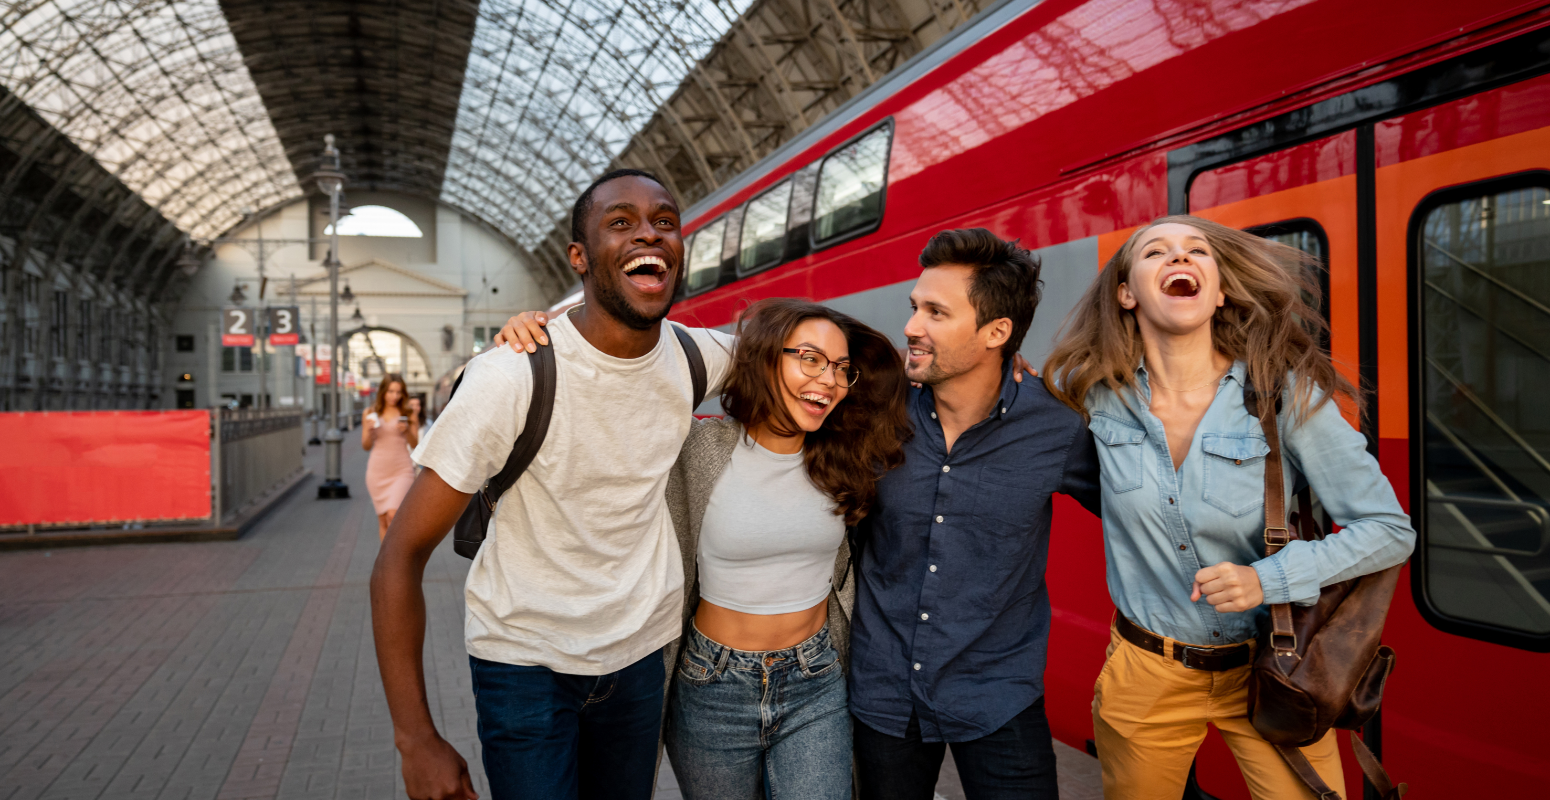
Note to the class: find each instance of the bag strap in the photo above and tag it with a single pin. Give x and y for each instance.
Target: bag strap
(539, 413)
(1371, 768)
(1283, 638)
(696, 364)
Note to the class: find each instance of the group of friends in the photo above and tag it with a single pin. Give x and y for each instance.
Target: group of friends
(817, 594)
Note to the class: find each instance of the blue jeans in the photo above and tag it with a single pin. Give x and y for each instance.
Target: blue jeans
(1015, 761)
(552, 736)
(748, 724)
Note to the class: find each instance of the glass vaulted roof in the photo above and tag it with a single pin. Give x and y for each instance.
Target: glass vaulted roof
(554, 90)
(160, 93)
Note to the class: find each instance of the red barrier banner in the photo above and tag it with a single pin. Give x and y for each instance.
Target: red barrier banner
(88, 467)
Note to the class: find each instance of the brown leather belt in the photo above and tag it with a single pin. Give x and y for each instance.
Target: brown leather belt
(1210, 659)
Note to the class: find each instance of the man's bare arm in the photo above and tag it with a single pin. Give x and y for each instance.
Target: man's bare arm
(433, 770)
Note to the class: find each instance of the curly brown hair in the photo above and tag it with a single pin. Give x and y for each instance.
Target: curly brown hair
(862, 438)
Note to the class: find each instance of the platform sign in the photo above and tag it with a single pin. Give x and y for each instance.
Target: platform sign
(284, 328)
(237, 327)
(324, 363)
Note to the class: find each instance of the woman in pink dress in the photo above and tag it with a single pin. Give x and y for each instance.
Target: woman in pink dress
(389, 433)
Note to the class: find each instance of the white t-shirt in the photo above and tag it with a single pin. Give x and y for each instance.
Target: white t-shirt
(580, 571)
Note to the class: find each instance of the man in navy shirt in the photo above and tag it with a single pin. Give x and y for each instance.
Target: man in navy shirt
(952, 614)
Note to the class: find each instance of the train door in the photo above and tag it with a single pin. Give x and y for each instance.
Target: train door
(1434, 224)
(1305, 196)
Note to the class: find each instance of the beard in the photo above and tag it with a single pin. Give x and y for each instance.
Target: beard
(609, 295)
(941, 368)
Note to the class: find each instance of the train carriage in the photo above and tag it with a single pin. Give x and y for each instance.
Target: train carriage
(1405, 144)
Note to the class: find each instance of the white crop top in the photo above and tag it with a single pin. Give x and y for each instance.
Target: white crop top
(769, 537)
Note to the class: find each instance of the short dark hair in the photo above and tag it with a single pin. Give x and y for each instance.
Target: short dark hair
(1005, 282)
(583, 207)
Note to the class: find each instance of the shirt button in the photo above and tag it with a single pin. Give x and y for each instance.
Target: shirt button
(1170, 501)
(1183, 547)
(946, 468)
(925, 616)
(1003, 411)
(1216, 633)
(933, 415)
(939, 518)
(917, 666)
(1237, 461)
(933, 568)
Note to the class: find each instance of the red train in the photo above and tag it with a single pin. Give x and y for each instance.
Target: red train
(1405, 143)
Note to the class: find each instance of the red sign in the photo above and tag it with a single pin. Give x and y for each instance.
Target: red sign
(104, 466)
(325, 370)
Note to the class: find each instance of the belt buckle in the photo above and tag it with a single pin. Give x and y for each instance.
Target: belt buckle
(1191, 650)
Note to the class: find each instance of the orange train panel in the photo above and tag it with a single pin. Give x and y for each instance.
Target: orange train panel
(61, 467)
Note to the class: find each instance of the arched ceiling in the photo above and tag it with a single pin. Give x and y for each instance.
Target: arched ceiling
(505, 109)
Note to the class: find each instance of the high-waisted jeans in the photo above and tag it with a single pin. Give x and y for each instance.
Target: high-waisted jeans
(776, 718)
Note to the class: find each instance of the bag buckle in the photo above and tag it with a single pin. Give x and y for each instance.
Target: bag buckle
(1277, 539)
(1285, 644)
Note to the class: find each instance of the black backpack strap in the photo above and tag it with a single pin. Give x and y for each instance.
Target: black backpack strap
(539, 412)
(696, 363)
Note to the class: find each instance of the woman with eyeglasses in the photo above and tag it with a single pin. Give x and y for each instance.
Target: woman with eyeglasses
(762, 501)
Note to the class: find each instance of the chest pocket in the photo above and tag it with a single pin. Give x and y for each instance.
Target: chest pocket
(1119, 453)
(1234, 471)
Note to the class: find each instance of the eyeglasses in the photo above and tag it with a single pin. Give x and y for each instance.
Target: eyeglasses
(813, 363)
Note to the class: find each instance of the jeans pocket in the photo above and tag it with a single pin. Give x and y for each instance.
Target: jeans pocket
(697, 668)
(826, 661)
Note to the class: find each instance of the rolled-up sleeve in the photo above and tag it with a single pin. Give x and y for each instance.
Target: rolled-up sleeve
(1375, 532)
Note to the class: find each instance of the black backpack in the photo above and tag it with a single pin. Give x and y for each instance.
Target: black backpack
(468, 533)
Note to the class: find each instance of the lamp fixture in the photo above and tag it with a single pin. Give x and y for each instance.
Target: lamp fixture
(347, 296)
(237, 295)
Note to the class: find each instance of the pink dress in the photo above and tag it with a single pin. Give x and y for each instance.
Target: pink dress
(389, 472)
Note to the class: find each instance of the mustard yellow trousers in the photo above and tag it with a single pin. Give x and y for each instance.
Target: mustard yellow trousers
(1150, 716)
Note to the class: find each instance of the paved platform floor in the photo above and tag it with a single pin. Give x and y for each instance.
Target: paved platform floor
(236, 670)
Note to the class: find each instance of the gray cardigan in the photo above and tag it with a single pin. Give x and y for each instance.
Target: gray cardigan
(705, 454)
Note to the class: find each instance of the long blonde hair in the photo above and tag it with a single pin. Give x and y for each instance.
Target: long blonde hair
(1265, 322)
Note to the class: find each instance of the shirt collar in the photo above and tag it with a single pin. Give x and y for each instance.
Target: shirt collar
(1009, 386)
(1238, 372)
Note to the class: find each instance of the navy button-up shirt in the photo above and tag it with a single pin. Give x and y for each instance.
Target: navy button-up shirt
(952, 614)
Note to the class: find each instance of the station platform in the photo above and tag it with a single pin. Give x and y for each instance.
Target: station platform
(238, 669)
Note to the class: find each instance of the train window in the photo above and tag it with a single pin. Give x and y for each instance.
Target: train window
(1308, 236)
(764, 228)
(1482, 256)
(705, 255)
(851, 186)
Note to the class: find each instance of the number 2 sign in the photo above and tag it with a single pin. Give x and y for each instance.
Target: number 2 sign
(237, 327)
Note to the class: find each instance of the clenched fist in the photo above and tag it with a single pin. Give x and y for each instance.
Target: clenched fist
(1228, 587)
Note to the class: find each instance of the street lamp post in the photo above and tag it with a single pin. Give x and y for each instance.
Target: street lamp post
(331, 182)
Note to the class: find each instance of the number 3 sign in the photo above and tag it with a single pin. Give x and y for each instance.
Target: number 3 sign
(283, 329)
(237, 327)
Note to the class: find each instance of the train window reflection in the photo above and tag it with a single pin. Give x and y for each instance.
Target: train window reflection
(764, 228)
(850, 187)
(705, 255)
(1484, 264)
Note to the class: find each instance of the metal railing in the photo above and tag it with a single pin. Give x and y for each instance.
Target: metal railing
(255, 452)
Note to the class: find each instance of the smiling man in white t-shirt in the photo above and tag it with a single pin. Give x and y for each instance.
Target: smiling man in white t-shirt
(579, 582)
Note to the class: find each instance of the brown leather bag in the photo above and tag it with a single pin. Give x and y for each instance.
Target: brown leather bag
(1321, 666)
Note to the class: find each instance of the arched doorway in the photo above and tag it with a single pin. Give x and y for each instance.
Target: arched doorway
(372, 351)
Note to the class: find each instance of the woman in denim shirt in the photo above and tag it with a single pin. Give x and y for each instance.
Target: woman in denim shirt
(1157, 355)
